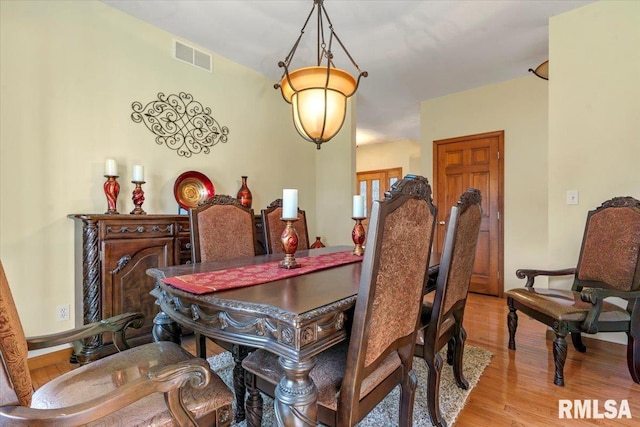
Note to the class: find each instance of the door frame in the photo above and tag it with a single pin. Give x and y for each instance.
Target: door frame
(500, 196)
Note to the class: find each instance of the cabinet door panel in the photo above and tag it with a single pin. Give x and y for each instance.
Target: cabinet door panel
(126, 283)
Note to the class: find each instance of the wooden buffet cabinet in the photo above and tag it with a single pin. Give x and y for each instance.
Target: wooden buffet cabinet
(113, 253)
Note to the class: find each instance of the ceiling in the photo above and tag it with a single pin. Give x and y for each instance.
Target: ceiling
(413, 50)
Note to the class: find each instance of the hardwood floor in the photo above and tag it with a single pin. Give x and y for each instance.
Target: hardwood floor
(516, 389)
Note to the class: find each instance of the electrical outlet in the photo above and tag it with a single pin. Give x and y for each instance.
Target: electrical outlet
(63, 312)
(572, 197)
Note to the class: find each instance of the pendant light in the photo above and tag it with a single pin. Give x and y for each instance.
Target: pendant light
(318, 94)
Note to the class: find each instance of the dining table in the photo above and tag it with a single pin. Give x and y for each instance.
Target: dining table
(254, 303)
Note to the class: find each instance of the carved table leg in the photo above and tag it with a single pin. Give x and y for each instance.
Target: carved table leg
(165, 329)
(296, 403)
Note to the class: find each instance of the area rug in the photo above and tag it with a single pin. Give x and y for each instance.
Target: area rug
(452, 399)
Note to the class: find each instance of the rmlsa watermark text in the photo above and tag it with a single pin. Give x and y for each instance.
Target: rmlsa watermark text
(593, 409)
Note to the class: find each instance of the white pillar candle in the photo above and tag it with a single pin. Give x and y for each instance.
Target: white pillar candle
(138, 173)
(358, 206)
(289, 203)
(110, 167)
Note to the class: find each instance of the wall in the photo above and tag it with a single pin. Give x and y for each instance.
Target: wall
(519, 107)
(594, 106)
(69, 74)
(404, 154)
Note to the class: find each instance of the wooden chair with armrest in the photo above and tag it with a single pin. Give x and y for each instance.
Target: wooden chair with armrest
(353, 377)
(222, 228)
(141, 386)
(608, 266)
(273, 227)
(441, 322)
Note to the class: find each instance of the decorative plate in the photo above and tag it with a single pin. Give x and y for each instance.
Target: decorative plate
(192, 188)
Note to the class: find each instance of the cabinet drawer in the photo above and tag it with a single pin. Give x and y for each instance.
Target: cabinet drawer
(136, 230)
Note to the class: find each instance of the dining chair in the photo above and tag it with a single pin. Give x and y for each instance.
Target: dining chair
(273, 227)
(222, 228)
(441, 321)
(608, 266)
(157, 384)
(353, 377)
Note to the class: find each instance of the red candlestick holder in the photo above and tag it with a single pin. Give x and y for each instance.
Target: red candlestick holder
(357, 235)
(111, 190)
(289, 239)
(138, 198)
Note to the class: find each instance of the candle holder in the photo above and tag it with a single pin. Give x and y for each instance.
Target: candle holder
(138, 198)
(357, 235)
(289, 239)
(111, 190)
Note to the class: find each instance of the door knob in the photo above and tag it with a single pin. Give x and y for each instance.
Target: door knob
(441, 222)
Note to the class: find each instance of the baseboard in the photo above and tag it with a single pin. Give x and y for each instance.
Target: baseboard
(55, 357)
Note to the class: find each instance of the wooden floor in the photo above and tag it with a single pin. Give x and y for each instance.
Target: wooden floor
(517, 388)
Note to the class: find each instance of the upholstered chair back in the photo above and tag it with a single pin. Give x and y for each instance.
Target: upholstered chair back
(458, 255)
(393, 274)
(222, 228)
(610, 255)
(15, 379)
(273, 227)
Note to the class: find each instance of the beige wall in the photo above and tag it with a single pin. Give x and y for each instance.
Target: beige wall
(519, 107)
(404, 154)
(594, 116)
(594, 126)
(69, 74)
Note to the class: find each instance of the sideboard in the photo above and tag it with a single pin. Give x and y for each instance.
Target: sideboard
(113, 253)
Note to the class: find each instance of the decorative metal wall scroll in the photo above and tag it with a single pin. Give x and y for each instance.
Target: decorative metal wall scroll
(181, 123)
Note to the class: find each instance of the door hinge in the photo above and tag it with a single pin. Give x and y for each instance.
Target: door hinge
(498, 155)
(498, 215)
(498, 275)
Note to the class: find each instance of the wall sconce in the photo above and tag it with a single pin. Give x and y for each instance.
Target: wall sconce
(542, 70)
(318, 94)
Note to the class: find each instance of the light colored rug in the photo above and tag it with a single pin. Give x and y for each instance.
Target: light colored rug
(452, 399)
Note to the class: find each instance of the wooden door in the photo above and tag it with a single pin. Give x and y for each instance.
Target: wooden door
(126, 283)
(373, 185)
(474, 161)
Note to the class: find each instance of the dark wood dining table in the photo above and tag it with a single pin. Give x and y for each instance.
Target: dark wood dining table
(295, 318)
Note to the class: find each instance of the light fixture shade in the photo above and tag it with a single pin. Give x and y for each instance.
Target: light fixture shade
(542, 70)
(319, 104)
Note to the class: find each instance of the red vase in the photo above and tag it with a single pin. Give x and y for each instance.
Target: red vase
(317, 244)
(244, 194)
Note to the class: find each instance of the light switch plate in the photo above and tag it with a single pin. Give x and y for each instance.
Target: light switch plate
(572, 197)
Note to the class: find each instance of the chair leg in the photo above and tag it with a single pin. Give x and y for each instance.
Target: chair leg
(457, 359)
(254, 401)
(434, 365)
(451, 345)
(407, 398)
(239, 352)
(559, 357)
(576, 338)
(512, 323)
(633, 355)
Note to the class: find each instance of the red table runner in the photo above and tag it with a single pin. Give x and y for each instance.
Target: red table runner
(202, 283)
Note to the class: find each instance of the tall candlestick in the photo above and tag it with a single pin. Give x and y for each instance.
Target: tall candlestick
(289, 203)
(138, 173)
(110, 168)
(358, 206)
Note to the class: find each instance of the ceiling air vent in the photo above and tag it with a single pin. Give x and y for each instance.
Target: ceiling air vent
(189, 54)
